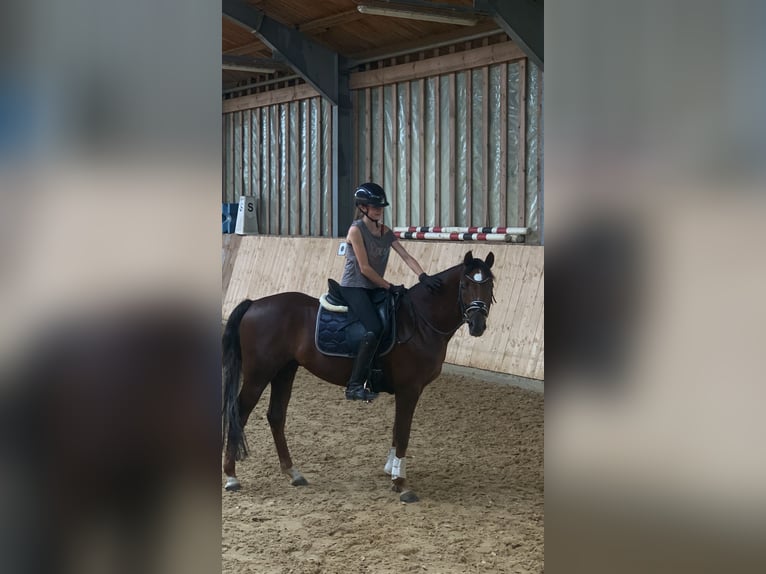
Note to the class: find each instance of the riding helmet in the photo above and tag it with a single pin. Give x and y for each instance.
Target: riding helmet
(370, 194)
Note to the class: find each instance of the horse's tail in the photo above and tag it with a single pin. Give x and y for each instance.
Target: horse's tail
(232, 367)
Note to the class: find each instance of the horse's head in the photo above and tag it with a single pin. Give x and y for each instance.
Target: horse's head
(476, 283)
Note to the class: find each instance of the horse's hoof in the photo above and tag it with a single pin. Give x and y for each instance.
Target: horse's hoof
(408, 497)
(296, 478)
(232, 485)
(397, 484)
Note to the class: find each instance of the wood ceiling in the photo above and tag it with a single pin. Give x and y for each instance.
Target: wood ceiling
(339, 26)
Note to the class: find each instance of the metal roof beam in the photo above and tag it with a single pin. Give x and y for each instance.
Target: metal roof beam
(522, 20)
(318, 65)
(248, 63)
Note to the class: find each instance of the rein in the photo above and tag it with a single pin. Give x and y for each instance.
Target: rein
(431, 326)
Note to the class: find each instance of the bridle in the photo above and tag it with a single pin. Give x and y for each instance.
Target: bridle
(476, 305)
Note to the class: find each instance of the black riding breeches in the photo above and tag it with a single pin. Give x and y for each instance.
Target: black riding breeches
(359, 300)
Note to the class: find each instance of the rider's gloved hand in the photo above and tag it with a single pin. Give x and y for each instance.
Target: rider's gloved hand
(398, 290)
(432, 282)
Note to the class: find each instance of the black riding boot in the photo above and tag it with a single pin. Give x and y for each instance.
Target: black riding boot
(355, 390)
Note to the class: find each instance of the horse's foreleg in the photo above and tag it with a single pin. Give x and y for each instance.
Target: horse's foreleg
(251, 392)
(389, 467)
(281, 389)
(405, 408)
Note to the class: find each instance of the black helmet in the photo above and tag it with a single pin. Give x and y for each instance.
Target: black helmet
(370, 194)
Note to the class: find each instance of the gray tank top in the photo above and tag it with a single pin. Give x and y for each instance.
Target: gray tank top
(378, 249)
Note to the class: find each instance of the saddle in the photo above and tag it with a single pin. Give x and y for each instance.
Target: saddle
(339, 331)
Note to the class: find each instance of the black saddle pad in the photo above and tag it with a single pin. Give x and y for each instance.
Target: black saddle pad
(339, 334)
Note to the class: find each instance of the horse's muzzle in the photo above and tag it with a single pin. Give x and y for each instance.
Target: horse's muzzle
(476, 328)
(476, 317)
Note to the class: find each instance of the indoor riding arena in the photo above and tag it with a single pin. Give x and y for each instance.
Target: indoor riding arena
(441, 105)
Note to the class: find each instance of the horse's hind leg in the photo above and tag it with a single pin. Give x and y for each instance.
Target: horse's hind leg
(252, 389)
(281, 389)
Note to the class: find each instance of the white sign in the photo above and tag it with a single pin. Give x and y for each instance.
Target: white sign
(247, 216)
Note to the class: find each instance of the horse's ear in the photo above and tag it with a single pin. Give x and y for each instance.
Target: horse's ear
(468, 258)
(490, 260)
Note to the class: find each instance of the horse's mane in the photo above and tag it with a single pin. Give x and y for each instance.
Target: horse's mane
(475, 264)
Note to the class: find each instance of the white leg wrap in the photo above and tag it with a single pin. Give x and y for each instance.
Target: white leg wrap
(399, 470)
(293, 473)
(390, 462)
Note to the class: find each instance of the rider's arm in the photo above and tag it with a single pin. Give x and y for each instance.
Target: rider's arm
(408, 259)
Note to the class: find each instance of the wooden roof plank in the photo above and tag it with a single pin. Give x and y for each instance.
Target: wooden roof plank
(486, 55)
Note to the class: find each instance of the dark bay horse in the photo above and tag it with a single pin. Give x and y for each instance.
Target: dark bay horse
(268, 339)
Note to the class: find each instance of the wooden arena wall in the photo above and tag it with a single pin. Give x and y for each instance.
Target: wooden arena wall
(257, 265)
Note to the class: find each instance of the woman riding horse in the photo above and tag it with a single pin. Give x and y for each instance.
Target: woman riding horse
(369, 244)
(266, 341)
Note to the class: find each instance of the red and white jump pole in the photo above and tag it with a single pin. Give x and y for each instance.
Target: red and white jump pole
(505, 230)
(507, 234)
